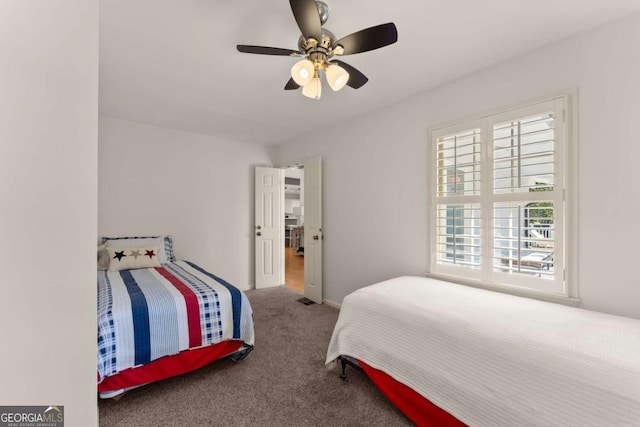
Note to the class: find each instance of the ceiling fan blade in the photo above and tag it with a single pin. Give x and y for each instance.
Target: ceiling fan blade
(369, 39)
(356, 78)
(264, 50)
(291, 85)
(307, 17)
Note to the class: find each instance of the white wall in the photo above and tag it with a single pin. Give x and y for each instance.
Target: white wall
(48, 205)
(197, 188)
(375, 170)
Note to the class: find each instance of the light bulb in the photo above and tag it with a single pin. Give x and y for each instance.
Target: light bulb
(337, 77)
(302, 72)
(313, 89)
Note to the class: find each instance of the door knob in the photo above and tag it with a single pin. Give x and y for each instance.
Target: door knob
(315, 237)
(258, 227)
(258, 234)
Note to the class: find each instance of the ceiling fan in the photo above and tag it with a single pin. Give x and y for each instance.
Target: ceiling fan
(318, 47)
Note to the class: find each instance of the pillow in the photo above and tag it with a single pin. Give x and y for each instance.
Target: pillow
(164, 243)
(139, 242)
(103, 257)
(168, 248)
(125, 258)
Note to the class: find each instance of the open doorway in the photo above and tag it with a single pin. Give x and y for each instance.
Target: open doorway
(294, 228)
(304, 234)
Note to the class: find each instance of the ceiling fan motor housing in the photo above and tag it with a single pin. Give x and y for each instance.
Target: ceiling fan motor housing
(326, 41)
(319, 51)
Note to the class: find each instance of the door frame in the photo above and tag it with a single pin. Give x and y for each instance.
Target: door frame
(288, 166)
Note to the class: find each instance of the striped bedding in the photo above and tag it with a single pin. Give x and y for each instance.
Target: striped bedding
(149, 313)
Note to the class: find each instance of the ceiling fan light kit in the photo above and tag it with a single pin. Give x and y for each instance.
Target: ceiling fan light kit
(337, 77)
(318, 46)
(313, 89)
(306, 73)
(302, 72)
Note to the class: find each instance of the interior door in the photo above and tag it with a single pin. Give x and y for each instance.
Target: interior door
(269, 227)
(313, 230)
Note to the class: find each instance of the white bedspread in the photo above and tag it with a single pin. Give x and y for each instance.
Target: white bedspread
(492, 359)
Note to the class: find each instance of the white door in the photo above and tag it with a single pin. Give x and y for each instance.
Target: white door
(313, 230)
(269, 227)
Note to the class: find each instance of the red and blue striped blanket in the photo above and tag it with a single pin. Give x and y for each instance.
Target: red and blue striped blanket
(149, 313)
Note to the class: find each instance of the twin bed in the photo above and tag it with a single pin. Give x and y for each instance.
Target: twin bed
(451, 355)
(445, 354)
(158, 317)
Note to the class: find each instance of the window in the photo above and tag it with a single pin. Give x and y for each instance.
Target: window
(498, 211)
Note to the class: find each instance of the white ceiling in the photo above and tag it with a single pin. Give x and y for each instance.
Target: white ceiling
(174, 63)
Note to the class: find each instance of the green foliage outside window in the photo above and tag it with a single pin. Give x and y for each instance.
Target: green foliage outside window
(541, 212)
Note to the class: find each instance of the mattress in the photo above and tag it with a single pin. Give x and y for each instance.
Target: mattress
(150, 313)
(491, 359)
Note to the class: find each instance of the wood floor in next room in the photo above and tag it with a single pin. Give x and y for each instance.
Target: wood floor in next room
(293, 270)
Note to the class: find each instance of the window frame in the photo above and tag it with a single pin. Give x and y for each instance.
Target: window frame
(564, 200)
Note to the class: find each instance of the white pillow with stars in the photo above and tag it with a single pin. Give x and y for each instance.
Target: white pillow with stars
(132, 258)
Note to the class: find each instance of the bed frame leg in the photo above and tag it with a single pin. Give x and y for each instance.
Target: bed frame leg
(343, 364)
(242, 353)
(118, 397)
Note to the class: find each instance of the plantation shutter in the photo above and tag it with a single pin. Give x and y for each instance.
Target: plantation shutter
(498, 198)
(458, 217)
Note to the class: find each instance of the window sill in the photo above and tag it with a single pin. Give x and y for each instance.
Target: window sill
(512, 290)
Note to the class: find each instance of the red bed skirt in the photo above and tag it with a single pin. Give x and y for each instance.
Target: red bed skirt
(416, 407)
(167, 367)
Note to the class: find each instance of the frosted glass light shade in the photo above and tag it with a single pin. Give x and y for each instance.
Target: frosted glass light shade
(337, 77)
(302, 72)
(313, 89)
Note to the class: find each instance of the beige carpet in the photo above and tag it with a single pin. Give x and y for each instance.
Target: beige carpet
(282, 383)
